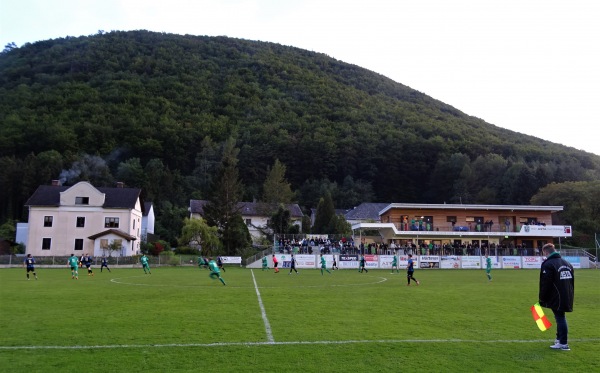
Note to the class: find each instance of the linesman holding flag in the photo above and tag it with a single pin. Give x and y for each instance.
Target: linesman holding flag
(557, 290)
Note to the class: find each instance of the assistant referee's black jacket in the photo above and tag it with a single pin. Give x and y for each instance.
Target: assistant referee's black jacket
(557, 284)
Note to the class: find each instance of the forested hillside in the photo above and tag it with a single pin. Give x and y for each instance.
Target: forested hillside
(153, 110)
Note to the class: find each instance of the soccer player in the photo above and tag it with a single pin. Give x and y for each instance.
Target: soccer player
(87, 261)
(334, 266)
(73, 262)
(145, 264)
(29, 262)
(488, 267)
(395, 264)
(293, 265)
(265, 264)
(362, 265)
(104, 264)
(275, 264)
(323, 265)
(410, 270)
(201, 262)
(220, 263)
(214, 271)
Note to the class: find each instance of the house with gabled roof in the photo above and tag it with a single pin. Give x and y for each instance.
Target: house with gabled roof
(256, 215)
(78, 219)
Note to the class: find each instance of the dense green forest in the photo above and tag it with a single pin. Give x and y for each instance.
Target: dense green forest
(154, 110)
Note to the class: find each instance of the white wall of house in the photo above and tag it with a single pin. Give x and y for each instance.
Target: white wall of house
(253, 221)
(128, 248)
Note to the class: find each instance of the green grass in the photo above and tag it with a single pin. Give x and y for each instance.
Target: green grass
(179, 320)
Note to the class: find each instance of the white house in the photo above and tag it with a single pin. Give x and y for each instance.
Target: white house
(80, 219)
(148, 220)
(255, 215)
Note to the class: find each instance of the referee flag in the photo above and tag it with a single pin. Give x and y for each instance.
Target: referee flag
(540, 319)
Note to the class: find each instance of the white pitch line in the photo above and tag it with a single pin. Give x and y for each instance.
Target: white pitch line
(270, 338)
(273, 343)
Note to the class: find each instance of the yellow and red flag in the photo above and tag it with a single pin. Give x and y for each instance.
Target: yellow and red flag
(540, 319)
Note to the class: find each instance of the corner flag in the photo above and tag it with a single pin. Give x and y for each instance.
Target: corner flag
(539, 317)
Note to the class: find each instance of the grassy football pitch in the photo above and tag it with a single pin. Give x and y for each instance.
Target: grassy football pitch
(178, 319)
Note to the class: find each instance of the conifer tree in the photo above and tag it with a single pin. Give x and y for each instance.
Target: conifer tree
(325, 211)
(276, 188)
(221, 210)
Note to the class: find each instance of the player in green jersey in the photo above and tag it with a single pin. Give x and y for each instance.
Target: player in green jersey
(488, 267)
(395, 264)
(323, 265)
(145, 264)
(265, 263)
(214, 271)
(73, 262)
(201, 262)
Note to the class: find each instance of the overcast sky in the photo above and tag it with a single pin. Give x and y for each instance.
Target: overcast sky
(531, 66)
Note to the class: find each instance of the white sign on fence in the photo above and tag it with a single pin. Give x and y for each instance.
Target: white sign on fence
(451, 261)
(511, 262)
(385, 261)
(231, 259)
(471, 262)
(532, 262)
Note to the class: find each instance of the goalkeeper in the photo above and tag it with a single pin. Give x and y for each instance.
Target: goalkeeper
(214, 271)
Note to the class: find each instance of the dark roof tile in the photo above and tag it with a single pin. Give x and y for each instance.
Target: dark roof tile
(49, 195)
(366, 210)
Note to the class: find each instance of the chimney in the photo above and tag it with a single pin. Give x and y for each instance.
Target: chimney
(55, 182)
(120, 184)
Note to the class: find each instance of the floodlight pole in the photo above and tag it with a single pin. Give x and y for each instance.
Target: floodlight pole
(559, 245)
(596, 242)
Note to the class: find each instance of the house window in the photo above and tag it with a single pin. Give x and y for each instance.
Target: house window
(78, 244)
(117, 243)
(82, 200)
(248, 221)
(133, 224)
(104, 244)
(48, 221)
(111, 222)
(451, 219)
(46, 243)
(80, 222)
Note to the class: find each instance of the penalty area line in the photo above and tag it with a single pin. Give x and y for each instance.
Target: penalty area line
(273, 343)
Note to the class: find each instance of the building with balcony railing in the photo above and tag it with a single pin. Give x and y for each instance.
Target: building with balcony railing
(458, 225)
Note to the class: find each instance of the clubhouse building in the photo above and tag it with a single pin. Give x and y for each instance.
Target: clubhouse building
(459, 225)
